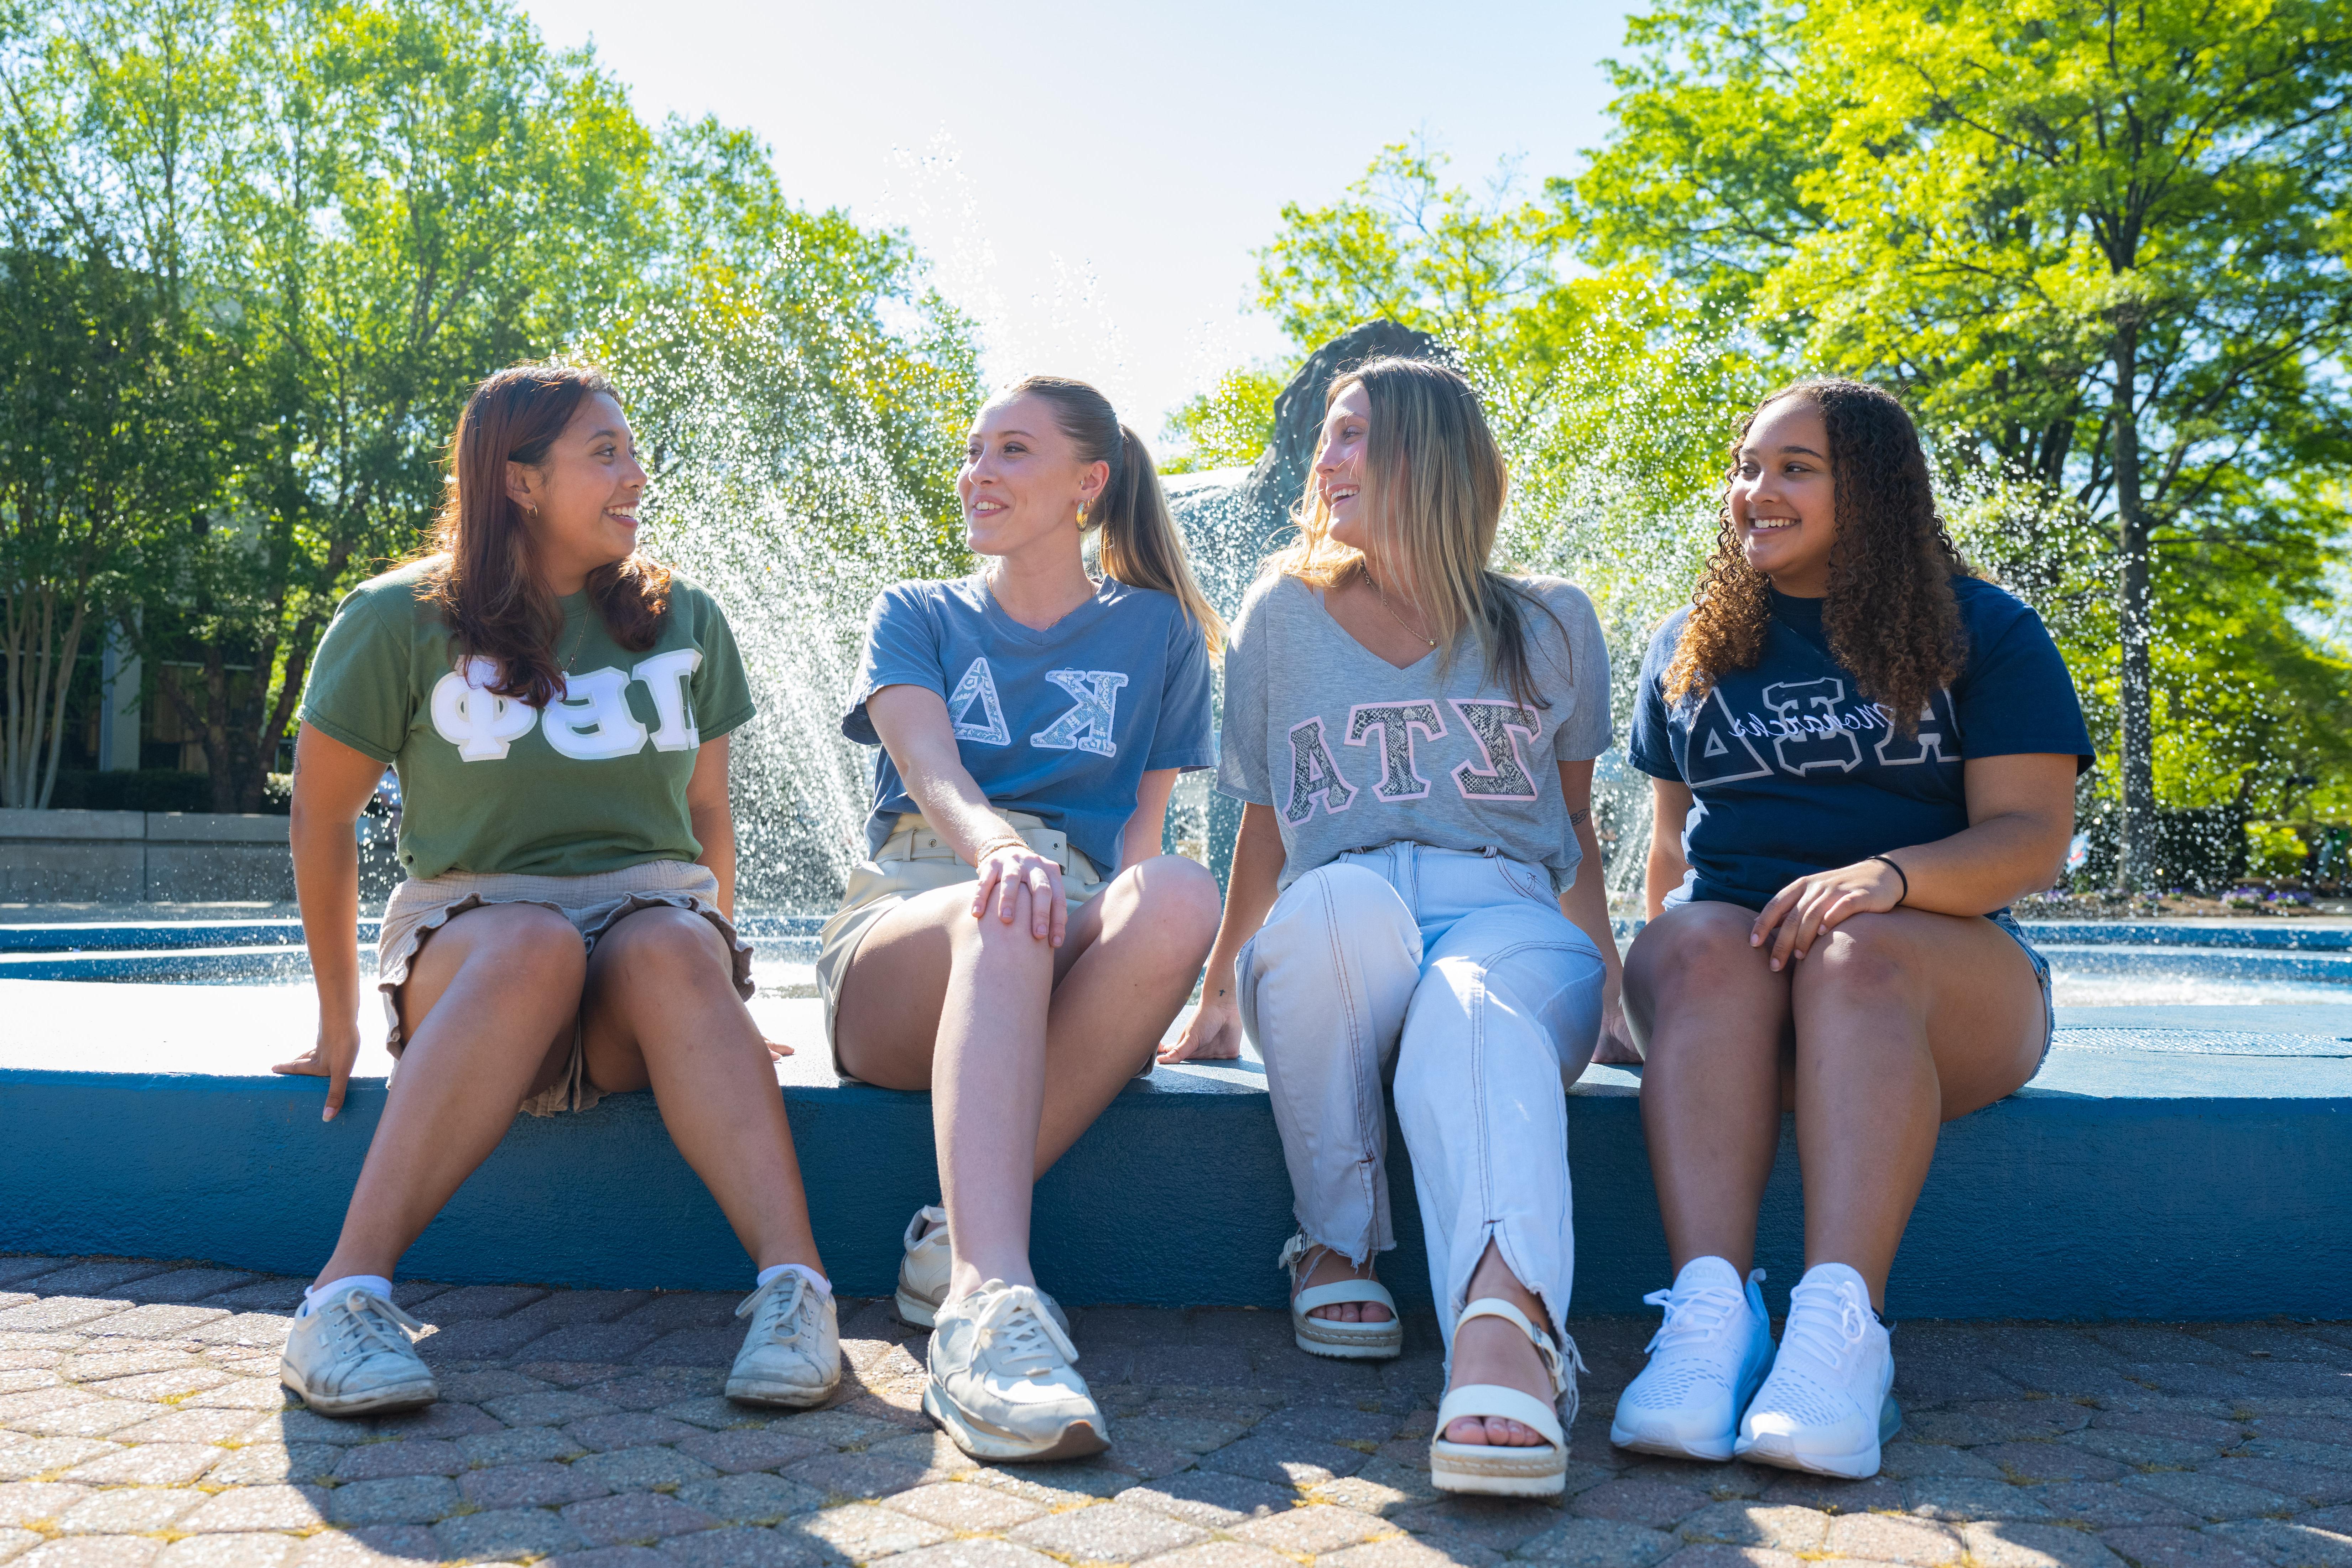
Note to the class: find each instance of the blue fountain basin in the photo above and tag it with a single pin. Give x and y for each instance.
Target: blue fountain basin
(2184, 1162)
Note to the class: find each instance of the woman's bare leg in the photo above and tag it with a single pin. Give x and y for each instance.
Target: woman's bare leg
(1904, 1021)
(1021, 1045)
(511, 975)
(1711, 1018)
(661, 1011)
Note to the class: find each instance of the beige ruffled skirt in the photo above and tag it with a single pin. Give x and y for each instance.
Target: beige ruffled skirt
(592, 904)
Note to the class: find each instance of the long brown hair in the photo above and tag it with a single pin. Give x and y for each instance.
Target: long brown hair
(1140, 546)
(484, 573)
(1436, 481)
(1891, 616)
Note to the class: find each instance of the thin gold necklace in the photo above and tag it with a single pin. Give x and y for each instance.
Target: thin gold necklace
(1400, 620)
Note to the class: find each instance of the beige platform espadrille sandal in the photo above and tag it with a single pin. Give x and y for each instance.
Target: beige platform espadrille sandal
(1496, 1471)
(1329, 1336)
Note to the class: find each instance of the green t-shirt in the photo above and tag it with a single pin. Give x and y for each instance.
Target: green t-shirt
(596, 783)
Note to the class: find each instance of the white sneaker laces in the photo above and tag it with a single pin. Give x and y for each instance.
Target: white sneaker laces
(1697, 1316)
(1016, 1326)
(1828, 1320)
(362, 1322)
(777, 1320)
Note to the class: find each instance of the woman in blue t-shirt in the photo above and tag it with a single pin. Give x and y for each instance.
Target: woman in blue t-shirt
(1032, 721)
(1860, 754)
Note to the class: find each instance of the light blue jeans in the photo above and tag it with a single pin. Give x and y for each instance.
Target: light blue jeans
(1458, 967)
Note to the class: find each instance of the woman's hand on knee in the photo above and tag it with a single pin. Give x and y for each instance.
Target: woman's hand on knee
(1213, 1033)
(338, 1048)
(1811, 907)
(1015, 875)
(1615, 1046)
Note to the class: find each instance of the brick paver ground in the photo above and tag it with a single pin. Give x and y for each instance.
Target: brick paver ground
(141, 1425)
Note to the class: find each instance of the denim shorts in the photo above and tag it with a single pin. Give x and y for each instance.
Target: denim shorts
(2008, 922)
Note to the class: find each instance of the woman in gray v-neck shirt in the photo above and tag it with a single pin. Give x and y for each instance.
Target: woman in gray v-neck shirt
(1416, 766)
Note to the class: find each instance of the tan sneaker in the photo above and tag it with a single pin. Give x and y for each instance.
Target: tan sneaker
(1002, 1384)
(923, 1273)
(352, 1356)
(791, 1354)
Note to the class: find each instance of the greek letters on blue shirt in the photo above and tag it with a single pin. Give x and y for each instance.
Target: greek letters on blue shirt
(1793, 770)
(1062, 723)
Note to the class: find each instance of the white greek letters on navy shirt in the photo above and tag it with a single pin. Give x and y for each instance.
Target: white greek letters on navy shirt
(1793, 770)
(1352, 752)
(589, 722)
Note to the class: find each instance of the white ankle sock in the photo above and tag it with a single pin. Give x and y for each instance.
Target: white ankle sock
(313, 1295)
(824, 1287)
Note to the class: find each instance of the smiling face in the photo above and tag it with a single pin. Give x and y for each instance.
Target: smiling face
(1783, 503)
(1339, 466)
(1022, 482)
(580, 503)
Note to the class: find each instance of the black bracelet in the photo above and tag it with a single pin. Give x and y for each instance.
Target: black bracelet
(1898, 871)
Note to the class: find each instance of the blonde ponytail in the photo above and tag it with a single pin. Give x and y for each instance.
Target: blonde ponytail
(1141, 545)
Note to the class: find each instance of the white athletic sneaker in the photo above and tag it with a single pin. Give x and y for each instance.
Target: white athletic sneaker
(1706, 1362)
(1002, 1384)
(923, 1273)
(791, 1354)
(352, 1356)
(1827, 1406)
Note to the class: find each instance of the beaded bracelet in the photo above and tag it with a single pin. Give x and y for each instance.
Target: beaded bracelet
(1898, 871)
(1009, 841)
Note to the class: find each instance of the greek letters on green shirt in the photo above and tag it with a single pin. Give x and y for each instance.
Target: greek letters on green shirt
(595, 782)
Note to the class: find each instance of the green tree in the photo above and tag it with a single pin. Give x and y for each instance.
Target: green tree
(1229, 425)
(2097, 246)
(1611, 390)
(102, 430)
(110, 421)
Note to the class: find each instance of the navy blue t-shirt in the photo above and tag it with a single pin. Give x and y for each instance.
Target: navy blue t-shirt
(1062, 723)
(1792, 772)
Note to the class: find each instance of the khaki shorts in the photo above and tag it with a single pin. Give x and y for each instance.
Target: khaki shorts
(419, 908)
(917, 861)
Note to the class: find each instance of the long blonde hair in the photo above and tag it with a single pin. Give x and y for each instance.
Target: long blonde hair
(1435, 480)
(1141, 545)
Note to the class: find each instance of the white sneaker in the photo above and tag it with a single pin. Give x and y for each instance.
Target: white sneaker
(791, 1354)
(1706, 1362)
(1827, 1406)
(352, 1356)
(1002, 1384)
(923, 1273)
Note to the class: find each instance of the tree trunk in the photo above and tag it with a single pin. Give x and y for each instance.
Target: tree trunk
(2137, 865)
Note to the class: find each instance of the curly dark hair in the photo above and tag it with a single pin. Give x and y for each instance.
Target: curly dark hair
(1891, 615)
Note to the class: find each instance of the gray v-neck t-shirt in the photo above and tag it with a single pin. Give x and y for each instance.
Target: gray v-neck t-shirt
(1353, 753)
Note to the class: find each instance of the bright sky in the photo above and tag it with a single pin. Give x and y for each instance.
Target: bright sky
(1090, 178)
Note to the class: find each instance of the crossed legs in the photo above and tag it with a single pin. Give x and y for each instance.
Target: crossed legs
(1503, 1013)
(1896, 1023)
(1021, 1045)
(487, 1012)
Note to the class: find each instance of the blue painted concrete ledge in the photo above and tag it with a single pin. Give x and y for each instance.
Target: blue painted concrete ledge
(2173, 1163)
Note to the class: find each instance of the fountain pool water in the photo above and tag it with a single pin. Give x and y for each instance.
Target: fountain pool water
(2246, 964)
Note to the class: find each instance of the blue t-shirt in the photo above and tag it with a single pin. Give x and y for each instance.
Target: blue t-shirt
(1791, 772)
(1062, 723)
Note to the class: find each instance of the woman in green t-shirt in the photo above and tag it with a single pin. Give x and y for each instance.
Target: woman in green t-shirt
(558, 707)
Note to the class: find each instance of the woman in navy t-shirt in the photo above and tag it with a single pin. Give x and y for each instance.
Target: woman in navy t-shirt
(1860, 754)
